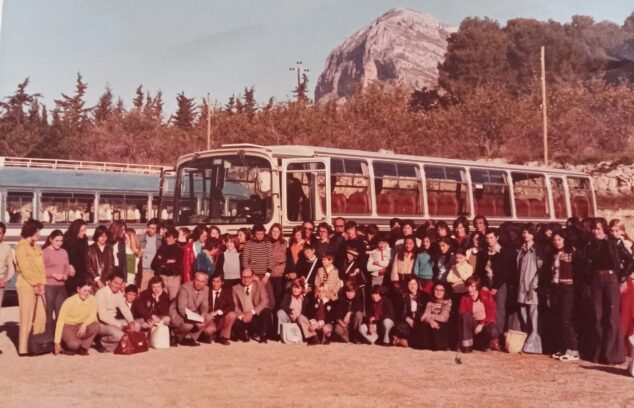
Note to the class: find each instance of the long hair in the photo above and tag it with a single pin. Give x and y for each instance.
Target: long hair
(114, 231)
(56, 233)
(401, 254)
(281, 239)
(71, 235)
(133, 240)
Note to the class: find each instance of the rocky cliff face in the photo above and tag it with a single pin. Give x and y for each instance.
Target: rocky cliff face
(402, 47)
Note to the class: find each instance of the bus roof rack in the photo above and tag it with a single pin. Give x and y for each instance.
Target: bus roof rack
(36, 163)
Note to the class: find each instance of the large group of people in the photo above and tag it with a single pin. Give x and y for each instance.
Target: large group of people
(430, 286)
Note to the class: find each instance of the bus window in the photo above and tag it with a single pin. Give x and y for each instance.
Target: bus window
(350, 185)
(128, 208)
(580, 197)
(559, 197)
(531, 195)
(490, 193)
(398, 189)
(66, 207)
(231, 189)
(446, 191)
(19, 207)
(306, 191)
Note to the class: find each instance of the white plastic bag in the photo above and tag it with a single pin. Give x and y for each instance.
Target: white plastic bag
(160, 336)
(291, 334)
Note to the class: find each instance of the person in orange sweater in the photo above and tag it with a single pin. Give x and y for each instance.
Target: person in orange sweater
(477, 324)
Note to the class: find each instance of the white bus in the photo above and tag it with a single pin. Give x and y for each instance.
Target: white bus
(239, 185)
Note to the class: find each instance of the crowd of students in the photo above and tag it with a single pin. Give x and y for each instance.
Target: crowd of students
(429, 286)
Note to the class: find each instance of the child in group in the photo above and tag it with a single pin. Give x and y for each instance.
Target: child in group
(328, 275)
(379, 259)
(229, 261)
(322, 315)
(380, 319)
(206, 259)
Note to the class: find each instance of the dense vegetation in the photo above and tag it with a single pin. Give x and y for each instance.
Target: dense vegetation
(488, 104)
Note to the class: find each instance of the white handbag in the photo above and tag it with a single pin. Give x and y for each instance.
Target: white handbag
(160, 336)
(291, 334)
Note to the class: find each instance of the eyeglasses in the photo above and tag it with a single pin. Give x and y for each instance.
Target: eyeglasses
(248, 277)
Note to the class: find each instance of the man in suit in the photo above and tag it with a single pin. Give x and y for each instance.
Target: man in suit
(192, 295)
(251, 307)
(222, 310)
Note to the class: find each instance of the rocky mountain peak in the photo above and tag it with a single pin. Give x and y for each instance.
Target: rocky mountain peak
(402, 47)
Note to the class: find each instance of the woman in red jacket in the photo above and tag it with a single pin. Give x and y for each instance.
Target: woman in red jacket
(477, 318)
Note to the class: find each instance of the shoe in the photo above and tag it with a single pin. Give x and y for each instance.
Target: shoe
(244, 338)
(68, 352)
(255, 337)
(82, 352)
(495, 345)
(557, 355)
(262, 340)
(467, 350)
(204, 339)
(223, 341)
(100, 348)
(173, 342)
(312, 341)
(569, 356)
(189, 342)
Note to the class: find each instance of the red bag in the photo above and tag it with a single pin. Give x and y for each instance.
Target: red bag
(132, 343)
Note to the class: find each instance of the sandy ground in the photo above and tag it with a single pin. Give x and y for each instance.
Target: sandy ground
(276, 375)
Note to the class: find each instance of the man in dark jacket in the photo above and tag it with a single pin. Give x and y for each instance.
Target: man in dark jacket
(153, 304)
(497, 272)
(221, 310)
(609, 267)
(168, 263)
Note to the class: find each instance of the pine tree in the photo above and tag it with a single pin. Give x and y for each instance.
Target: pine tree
(301, 91)
(104, 109)
(137, 102)
(119, 108)
(72, 110)
(230, 107)
(249, 105)
(157, 107)
(185, 115)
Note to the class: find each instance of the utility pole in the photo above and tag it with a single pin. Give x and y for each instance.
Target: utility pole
(208, 121)
(300, 70)
(544, 107)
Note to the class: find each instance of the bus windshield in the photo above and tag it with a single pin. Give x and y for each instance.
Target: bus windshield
(224, 189)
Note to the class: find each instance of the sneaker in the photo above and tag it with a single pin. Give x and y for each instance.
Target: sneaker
(557, 355)
(569, 356)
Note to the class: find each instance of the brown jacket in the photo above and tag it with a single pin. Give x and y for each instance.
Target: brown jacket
(259, 297)
(145, 306)
(99, 264)
(189, 298)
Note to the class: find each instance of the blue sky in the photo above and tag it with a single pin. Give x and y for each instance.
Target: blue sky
(201, 46)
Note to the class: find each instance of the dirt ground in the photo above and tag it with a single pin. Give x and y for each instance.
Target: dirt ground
(276, 375)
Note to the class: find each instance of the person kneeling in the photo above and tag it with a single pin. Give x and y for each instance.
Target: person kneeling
(252, 308)
(110, 303)
(477, 318)
(381, 318)
(222, 310)
(193, 296)
(321, 315)
(293, 307)
(349, 314)
(434, 331)
(77, 324)
(153, 305)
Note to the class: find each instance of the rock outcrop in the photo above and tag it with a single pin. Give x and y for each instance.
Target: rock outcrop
(402, 47)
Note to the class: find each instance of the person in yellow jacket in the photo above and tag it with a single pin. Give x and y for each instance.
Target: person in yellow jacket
(30, 283)
(77, 323)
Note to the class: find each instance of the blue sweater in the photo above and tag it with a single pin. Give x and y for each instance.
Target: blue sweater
(423, 267)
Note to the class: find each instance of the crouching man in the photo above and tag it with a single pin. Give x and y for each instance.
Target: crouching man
(192, 296)
(222, 310)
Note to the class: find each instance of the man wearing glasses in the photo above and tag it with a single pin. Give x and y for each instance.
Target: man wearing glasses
(252, 308)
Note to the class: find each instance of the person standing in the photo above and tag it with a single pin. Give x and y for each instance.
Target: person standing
(99, 259)
(30, 284)
(58, 271)
(168, 263)
(7, 268)
(610, 266)
(76, 245)
(116, 241)
(150, 243)
(278, 264)
(530, 260)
